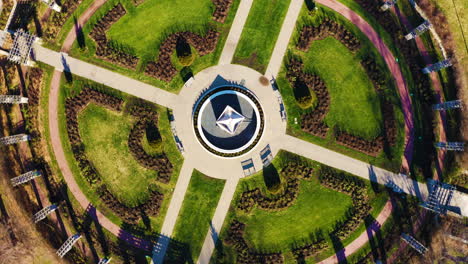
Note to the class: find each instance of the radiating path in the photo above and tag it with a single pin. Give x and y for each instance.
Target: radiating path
(235, 32)
(218, 219)
(277, 138)
(61, 62)
(174, 208)
(289, 25)
(365, 170)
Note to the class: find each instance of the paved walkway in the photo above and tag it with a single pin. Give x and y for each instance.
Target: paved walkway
(218, 219)
(62, 62)
(281, 46)
(275, 128)
(174, 209)
(235, 32)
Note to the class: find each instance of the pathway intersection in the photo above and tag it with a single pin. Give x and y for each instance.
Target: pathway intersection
(274, 136)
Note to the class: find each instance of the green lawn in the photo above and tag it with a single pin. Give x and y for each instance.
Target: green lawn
(144, 27)
(105, 135)
(260, 33)
(354, 104)
(316, 208)
(197, 211)
(168, 146)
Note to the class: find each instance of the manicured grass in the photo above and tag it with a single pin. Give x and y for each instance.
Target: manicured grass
(197, 211)
(146, 46)
(355, 105)
(105, 136)
(316, 208)
(144, 27)
(260, 33)
(169, 147)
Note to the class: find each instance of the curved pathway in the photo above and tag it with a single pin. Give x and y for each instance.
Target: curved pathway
(392, 66)
(59, 152)
(437, 86)
(229, 169)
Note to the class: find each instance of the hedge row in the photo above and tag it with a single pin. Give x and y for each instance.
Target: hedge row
(246, 255)
(311, 122)
(293, 172)
(161, 163)
(103, 49)
(163, 68)
(327, 28)
(358, 192)
(221, 10)
(131, 214)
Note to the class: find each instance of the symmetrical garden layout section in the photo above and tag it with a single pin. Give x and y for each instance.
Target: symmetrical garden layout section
(195, 133)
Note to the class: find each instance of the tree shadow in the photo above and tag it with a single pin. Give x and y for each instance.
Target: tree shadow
(178, 252)
(37, 24)
(310, 4)
(373, 179)
(339, 249)
(271, 178)
(80, 38)
(186, 73)
(66, 70)
(376, 240)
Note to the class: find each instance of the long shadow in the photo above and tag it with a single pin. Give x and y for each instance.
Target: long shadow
(82, 227)
(373, 179)
(310, 4)
(186, 73)
(86, 230)
(339, 249)
(178, 252)
(79, 34)
(66, 70)
(375, 239)
(91, 211)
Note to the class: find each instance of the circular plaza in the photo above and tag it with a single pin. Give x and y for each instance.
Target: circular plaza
(207, 132)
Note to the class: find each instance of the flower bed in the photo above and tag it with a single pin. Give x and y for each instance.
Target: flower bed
(294, 172)
(103, 49)
(328, 28)
(159, 163)
(163, 68)
(312, 122)
(73, 107)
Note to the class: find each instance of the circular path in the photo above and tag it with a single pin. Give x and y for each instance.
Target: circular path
(211, 164)
(206, 162)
